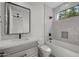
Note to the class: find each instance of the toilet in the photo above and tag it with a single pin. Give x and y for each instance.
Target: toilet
(44, 50)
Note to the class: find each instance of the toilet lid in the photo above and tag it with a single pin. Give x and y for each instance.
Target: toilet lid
(45, 48)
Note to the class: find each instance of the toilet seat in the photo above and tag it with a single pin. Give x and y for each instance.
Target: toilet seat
(45, 51)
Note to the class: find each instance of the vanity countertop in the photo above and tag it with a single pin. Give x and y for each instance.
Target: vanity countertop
(4, 44)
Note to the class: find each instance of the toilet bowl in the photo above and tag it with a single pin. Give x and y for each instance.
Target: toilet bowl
(44, 50)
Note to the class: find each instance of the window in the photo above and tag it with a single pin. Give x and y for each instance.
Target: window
(70, 12)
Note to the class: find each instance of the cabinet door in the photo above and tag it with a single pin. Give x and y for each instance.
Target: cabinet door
(32, 52)
(26, 53)
(22, 53)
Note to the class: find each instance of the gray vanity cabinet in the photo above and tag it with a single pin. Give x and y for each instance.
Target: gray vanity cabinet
(32, 52)
(23, 48)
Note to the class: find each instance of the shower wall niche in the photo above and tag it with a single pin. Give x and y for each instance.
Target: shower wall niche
(17, 19)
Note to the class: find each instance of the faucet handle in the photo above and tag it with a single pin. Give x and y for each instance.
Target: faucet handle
(50, 38)
(49, 34)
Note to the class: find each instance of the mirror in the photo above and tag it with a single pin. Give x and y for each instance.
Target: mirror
(17, 19)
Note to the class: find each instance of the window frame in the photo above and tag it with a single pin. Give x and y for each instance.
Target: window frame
(65, 12)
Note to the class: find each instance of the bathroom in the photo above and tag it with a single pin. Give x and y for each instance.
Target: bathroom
(36, 29)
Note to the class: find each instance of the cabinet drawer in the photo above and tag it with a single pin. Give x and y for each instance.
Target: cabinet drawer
(32, 51)
(25, 53)
(19, 48)
(17, 54)
(34, 55)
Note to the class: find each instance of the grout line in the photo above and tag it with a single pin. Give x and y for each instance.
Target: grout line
(44, 23)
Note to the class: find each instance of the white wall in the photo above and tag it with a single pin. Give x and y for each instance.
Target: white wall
(48, 22)
(0, 20)
(70, 46)
(69, 25)
(37, 22)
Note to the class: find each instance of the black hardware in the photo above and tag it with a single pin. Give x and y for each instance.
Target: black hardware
(19, 36)
(17, 14)
(50, 38)
(25, 54)
(49, 34)
(50, 17)
(1, 54)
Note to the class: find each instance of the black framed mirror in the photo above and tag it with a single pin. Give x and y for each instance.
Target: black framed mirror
(17, 19)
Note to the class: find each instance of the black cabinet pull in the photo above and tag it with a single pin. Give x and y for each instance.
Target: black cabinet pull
(1, 54)
(25, 54)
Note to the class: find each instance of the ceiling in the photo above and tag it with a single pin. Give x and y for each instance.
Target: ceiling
(49, 4)
(53, 4)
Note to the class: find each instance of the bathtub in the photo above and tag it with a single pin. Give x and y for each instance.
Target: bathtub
(62, 49)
